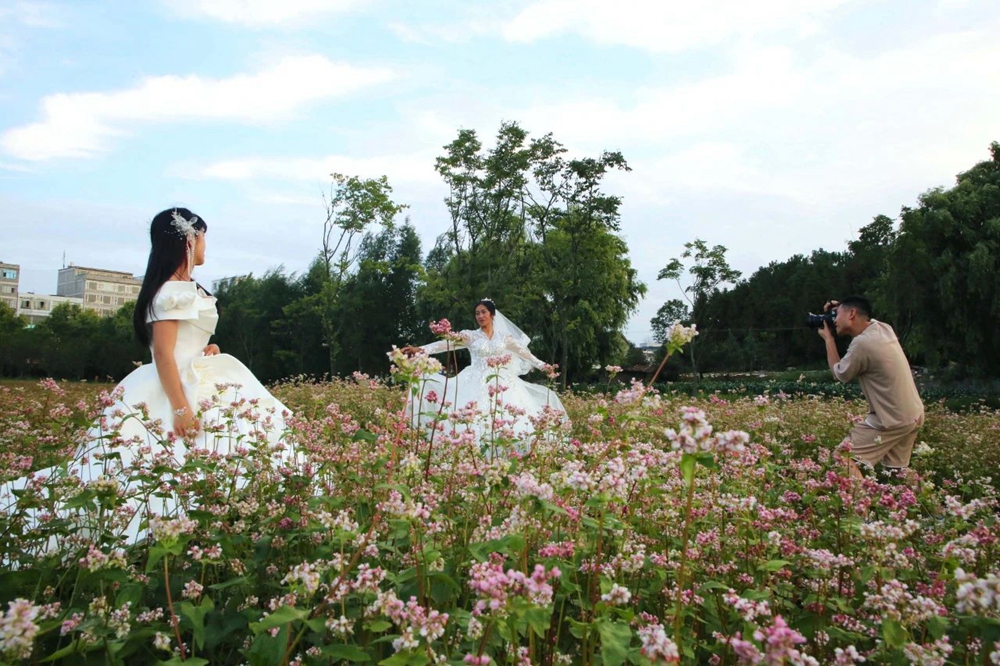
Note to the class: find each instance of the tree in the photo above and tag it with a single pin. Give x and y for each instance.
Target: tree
(11, 335)
(587, 288)
(388, 272)
(708, 270)
(354, 206)
(942, 284)
(535, 230)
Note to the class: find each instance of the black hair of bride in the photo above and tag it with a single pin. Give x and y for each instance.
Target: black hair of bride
(167, 254)
(488, 304)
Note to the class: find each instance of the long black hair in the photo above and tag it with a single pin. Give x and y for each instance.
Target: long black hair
(167, 254)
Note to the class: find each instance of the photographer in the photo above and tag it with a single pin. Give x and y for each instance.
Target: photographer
(875, 357)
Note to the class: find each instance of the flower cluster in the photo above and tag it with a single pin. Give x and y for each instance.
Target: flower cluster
(18, 629)
(695, 435)
(679, 335)
(494, 587)
(415, 622)
(418, 365)
(977, 595)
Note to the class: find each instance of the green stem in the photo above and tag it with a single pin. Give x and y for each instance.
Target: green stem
(680, 570)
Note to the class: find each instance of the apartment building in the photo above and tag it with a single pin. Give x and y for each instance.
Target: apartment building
(101, 290)
(36, 307)
(10, 276)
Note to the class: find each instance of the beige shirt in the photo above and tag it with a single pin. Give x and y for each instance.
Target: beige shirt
(877, 360)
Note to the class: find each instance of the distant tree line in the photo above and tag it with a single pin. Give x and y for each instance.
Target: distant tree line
(934, 275)
(535, 230)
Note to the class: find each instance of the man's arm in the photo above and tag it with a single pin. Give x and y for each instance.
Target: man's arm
(832, 355)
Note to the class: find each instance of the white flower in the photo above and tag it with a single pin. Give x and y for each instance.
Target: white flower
(18, 629)
(161, 641)
(679, 335)
(617, 595)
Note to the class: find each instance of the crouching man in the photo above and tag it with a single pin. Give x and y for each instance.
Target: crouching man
(876, 359)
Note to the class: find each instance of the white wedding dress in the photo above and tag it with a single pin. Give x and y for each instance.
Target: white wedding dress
(236, 412)
(519, 400)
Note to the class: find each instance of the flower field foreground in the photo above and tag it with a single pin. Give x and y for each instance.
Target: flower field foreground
(655, 529)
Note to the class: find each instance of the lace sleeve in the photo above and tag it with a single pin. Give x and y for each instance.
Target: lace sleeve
(441, 346)
(522, 352)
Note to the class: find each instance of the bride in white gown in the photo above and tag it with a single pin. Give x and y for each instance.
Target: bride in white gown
(500, 354)
(190, 398)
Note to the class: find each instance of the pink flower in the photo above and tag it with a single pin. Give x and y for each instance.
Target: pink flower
(442, 327)
(656, 646)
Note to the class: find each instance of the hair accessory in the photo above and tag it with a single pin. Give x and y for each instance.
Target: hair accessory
(184, 227)
(488, 299)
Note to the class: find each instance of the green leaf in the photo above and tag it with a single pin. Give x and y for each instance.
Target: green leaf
(937, 626)
(192, 661)
(707, 460)
(577, 628)
(229, 583)
(894, 634)
(688, 463)
(196, 616)
(539, 619)
(72, 648)
(405, 659)
(283, 615)
(774, 565)
(378, 626)
(346, 652)
(615, 639)
(365, 436)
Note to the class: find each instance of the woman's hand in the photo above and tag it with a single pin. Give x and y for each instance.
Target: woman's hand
(410, 350)
(211, 350)
(186, 424)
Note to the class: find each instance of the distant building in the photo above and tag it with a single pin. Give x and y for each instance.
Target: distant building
(36, 307)
(100, 290)
(226, 282)
(10, 276)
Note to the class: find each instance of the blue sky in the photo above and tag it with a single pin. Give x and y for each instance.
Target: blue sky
(773, 127)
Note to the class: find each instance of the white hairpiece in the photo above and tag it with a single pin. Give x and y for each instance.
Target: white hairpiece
(184, 227)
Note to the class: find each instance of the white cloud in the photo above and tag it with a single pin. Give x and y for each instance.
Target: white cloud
(668, 25)
(34, 14)
(459, 32)
(413, 168)
(16, 18)
(82, 124)
(258, 13)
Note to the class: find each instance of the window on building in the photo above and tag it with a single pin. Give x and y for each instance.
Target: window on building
(91, 298)
(41, 305)
(26, 305)
(9, 274)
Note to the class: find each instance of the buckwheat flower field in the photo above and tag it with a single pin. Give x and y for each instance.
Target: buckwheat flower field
(656, 528)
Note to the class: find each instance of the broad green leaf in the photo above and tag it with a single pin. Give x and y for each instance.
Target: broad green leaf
(283, 615)
(688, 463)
(239, 580)
(539, 619)
(894, 634)
(196, 616)
(346, 652)
(615, 639)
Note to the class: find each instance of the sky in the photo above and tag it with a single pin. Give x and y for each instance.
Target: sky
(772, 127)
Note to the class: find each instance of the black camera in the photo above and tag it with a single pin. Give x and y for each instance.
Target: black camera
(817, 320)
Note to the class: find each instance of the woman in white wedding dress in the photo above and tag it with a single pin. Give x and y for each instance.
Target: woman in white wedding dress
(500, 354)
(191, 398)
